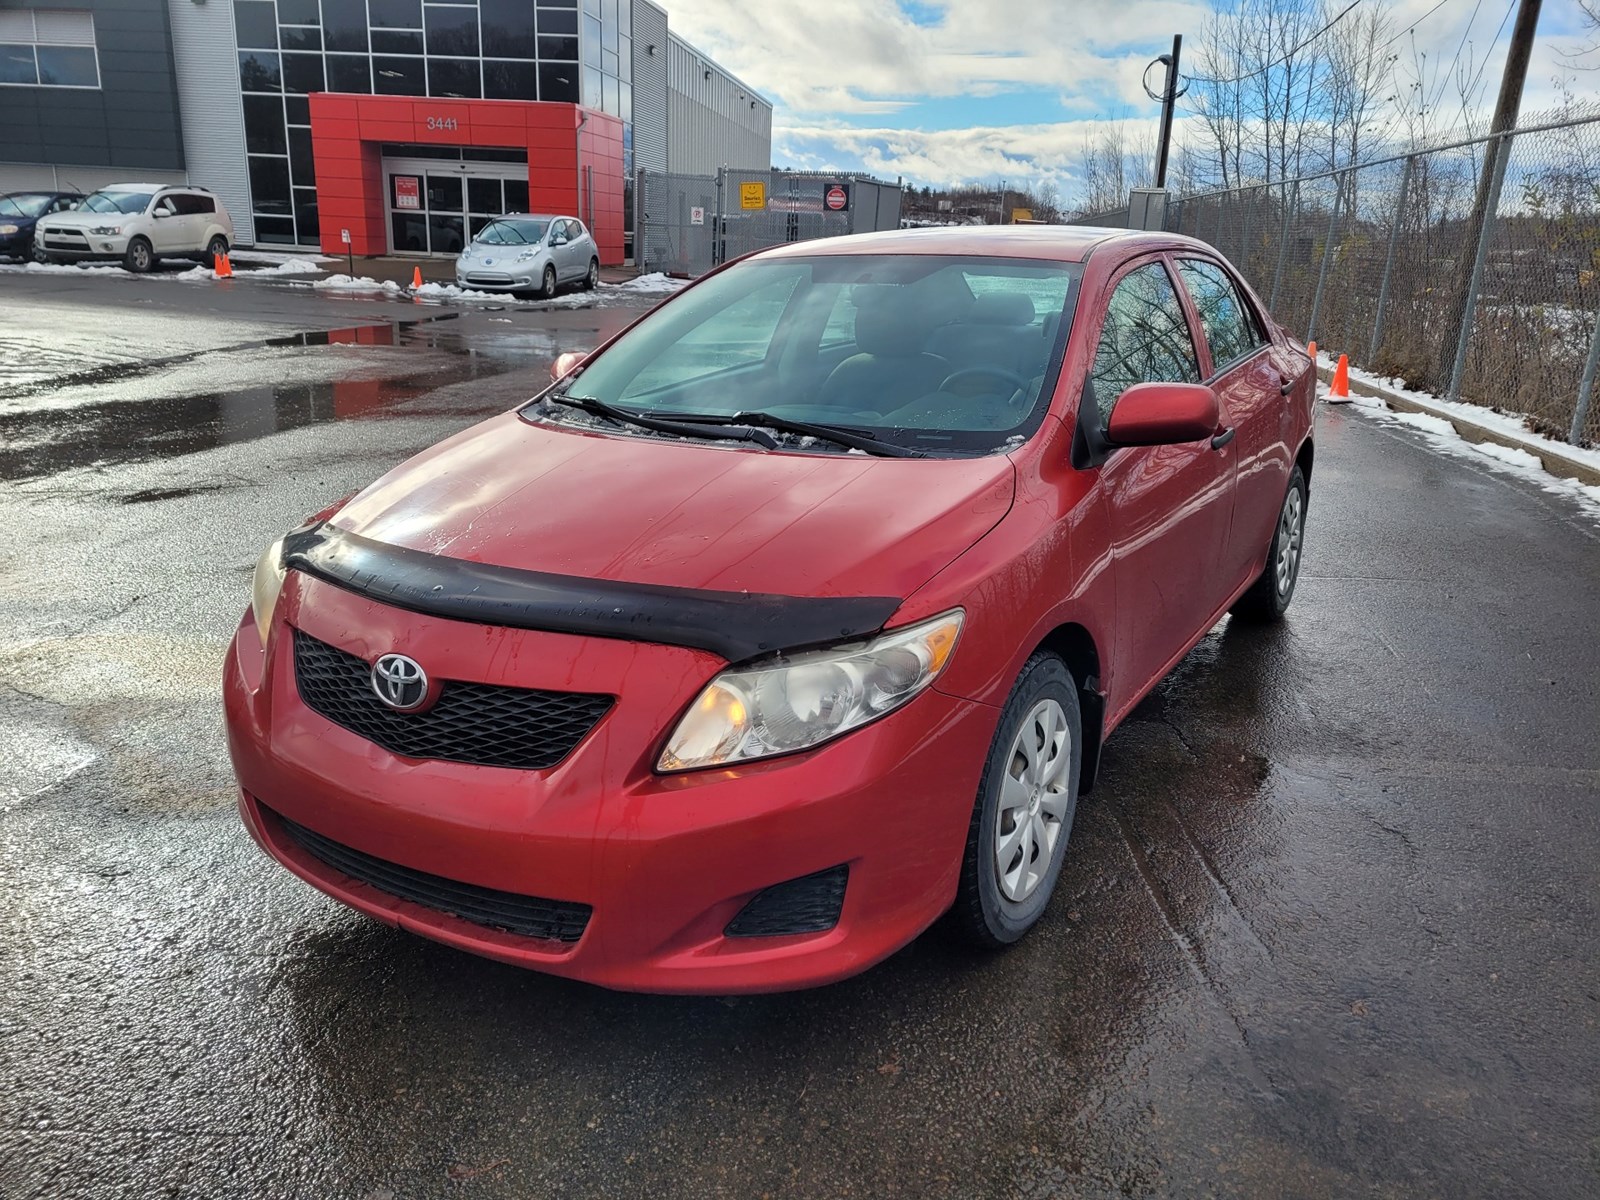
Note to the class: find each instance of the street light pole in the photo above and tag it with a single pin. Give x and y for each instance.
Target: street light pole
(1169, 101)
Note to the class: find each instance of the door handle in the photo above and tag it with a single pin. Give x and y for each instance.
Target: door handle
(1286, 385)
(1222, 439)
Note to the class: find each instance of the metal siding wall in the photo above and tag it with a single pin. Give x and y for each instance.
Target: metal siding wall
(710, 122)
(649, 87)
(213, 112)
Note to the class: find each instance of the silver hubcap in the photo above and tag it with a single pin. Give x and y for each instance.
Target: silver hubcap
(141, 256)
(1290, 524)
(1034, 804)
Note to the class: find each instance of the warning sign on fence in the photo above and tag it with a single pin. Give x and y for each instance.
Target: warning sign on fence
(753, 195)
(837, 197)
(697, 216)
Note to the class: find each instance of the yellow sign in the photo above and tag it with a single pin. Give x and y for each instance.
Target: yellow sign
(1021, 214)
(752, 195)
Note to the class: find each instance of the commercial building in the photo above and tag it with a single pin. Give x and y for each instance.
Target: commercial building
(402, 124)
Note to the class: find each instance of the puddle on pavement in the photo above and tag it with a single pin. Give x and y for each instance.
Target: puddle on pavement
(117, 432)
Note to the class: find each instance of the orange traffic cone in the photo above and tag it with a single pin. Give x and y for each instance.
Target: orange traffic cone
(222, 268)
(1311, 349)
(416, 277)
(1339, 390)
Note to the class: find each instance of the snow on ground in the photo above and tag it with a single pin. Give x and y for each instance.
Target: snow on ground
(364, 283)
(276, 256)
(656, 281)
(35, 268)
(1442, 436)
(449, 291)
(1513, 424)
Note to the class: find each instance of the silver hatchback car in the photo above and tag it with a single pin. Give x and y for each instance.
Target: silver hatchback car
(529, 252)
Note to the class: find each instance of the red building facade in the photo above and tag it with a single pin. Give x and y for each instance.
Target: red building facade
(574, 160)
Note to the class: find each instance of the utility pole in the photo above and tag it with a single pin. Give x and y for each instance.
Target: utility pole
(1169, 100)
(1506, 110)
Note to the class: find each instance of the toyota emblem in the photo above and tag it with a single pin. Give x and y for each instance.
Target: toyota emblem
(400, 682)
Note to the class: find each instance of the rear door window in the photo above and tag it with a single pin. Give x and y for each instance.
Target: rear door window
(1228, 323)
(1145, 338)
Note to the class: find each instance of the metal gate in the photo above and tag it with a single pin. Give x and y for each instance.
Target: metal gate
(687, 224)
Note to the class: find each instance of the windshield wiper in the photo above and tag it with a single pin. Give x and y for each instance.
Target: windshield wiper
(623, 416)
(849, 438)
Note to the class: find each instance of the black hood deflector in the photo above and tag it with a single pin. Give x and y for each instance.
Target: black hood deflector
(735, 625)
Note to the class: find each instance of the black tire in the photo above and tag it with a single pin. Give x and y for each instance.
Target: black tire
(1269, 596)
(215, 248)
(36, 254)
(548, 291)
(140, 258)
(592, 279)
(983, 915)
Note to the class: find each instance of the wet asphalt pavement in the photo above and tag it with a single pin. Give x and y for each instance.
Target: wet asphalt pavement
(1328, 925)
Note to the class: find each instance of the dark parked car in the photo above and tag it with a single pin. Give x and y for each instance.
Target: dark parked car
(20, 210)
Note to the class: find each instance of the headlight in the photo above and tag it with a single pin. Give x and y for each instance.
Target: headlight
(268, 583)
(799, 702)
(527, 255)
(8, 229)
(105, 230)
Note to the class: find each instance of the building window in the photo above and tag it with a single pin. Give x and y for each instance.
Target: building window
(510, 80)
(298, 12)
(303, 73)
(48, 48)
(344, 24)
(452, 29)
(269, 185)
(396, 41)
(456, 77)
(398, 77)
(255, 24)
(507, 28)
(300, 37)
(258, 71)
(559, 82)
(349, 73)
(395, 14)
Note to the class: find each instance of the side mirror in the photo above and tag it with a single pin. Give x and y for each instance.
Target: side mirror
(1164, 414)
(565, 364)
(558, 240)
(161, 212)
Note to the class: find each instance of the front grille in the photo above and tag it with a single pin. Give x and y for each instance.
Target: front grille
(481, 277)
(479, 723)
(65, 239)
(529, 916)
(810, 904)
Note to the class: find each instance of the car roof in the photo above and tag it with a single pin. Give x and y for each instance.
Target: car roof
(534, 217)
(1064, 243)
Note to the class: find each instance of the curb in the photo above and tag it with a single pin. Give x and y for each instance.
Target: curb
(1553, 461)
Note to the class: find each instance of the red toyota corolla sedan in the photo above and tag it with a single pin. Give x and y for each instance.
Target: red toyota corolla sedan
(787, 622)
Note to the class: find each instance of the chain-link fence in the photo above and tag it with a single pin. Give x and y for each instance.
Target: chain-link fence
(1376, 260)
(687, 224)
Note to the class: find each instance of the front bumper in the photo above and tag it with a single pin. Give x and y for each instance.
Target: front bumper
(497, 281)
(664, 862)
(89, 246)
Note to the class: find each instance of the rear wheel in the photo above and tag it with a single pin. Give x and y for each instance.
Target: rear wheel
(140, 257)
(216, 248)
(549, 289)
(1023, 814)
(592, 279)
(1268, 598)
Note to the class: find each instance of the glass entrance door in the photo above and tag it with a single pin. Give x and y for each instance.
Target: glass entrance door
(435, 208)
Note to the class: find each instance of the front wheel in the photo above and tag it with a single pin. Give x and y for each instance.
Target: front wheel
(592, 279)
(36, 252)
(140, 257)
(1022, 817)
(1269, 596)
(549, 289)
(216, 248)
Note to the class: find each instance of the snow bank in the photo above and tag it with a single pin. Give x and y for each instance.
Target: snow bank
(656, 281)
(278, 257)
(35, 268)
(1513, 424)
(1442, 436)
(345, 283)
(449, 291)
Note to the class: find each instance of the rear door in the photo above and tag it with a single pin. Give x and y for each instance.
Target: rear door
(1169, 506)
(574, 261)
(1247, 379)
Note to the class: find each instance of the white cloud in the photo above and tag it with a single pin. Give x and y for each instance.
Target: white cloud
(849, 56)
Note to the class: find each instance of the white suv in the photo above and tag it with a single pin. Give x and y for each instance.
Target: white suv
(138, 223)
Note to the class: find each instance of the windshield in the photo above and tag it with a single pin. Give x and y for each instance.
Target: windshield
(512, 233)
(934, 353)
(116, 202)
(23, 205)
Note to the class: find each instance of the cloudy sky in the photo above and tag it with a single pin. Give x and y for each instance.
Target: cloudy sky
(952, 91)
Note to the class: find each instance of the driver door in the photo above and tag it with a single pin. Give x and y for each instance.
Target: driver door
(561, 249)
(1169, 507)
(166, 225)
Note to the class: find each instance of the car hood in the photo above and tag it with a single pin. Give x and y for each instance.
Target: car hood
(498, 254)
(514, 493)
(82, 219)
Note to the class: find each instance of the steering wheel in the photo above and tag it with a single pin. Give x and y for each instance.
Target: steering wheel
(1011, 377)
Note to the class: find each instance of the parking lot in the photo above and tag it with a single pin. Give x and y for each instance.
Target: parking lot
(1328, 924)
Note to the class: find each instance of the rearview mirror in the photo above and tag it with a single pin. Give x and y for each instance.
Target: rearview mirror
(557, 240)
(1163, 414)
(565, 364)
(162, 212)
